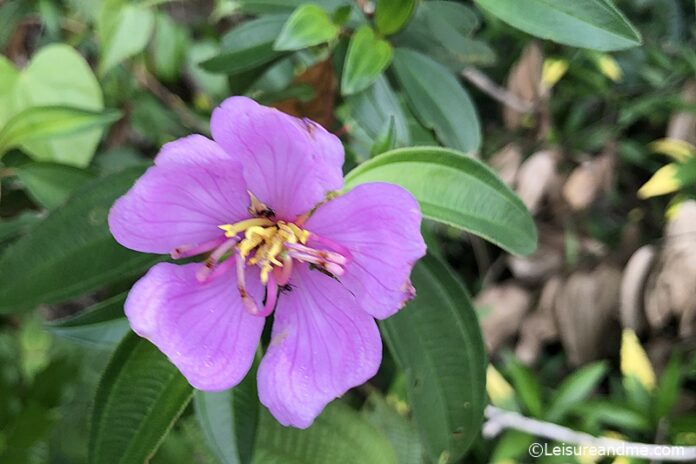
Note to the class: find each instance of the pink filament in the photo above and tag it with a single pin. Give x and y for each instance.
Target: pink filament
(186, 251)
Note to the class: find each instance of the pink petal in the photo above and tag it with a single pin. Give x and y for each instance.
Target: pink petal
(289, 163)
(178, 204)
(321, 346)
(380, 224)
(191, 150)
(202, 328)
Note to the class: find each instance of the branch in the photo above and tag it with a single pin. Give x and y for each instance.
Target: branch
(500, 419)
(487, 86)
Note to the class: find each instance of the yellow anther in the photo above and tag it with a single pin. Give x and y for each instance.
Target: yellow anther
(233, 229)
(267, 238)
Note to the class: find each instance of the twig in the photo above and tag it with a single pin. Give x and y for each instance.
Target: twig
(486, 85)
(500, 419)
(173, 101)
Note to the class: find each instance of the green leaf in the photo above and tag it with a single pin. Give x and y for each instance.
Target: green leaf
(437, 342)
(17, 225)
(668, 388)
(575, 388)
(139, 397)
(438, 100)
(102, 325)
(376, 104)
(47, 123)
(392, 15)
(229, 420)
(595, 24)
(169, 48)
(442, 30)
(398, 429)
(56, 76)
(307, 26)
(124, 30)
(526, 386)
(456, 190)
(74, 237)
(387, 138)
(247, 46)
(368, 56)
(50, 184)
(338, 436)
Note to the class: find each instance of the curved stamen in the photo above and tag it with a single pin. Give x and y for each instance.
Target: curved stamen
(334, 268)
(328, 243)
(322, 254)
(250, 305)
(282, 274)
(209, 265)
(186, 251)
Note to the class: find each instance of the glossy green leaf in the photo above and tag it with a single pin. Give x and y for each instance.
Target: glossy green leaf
(229, 420)
(456, 190)
(51, 122)
(392, 15)
(595, 24)
(338, 436)
(437, 342)
(102, 325)
(50, 184)
(438, 100)
(285, 6)
(368, 56)
(247, 46)
(577, 387)
(169, 47)
(386, 140)
(75, 237)
(139, 397)
(41, 85)
(124, 30)
(308, 25)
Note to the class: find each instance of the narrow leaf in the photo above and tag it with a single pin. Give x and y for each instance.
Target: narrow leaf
(438, 100)
(140, 396)
(43, 122)
(456, 190)
(367, 57)
(577, 387)
(392, 15)
(307, 26)
(102, 325)
(50, 184)
(437, 342)
(229, 420)
(595, 24)
(75, 237)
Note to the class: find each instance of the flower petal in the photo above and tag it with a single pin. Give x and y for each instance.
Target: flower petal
(380, 224)
(321, 346)
(289, 163)
(194, 150)
(201, 327)
(179, 204)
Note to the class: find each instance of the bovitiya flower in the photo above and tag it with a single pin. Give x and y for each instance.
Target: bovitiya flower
(261, 202)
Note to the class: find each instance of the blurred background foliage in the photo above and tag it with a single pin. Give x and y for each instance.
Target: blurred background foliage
(595, 330)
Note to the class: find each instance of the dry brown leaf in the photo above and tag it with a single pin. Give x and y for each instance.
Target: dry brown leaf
(507, 162)
(524, 81)
(682, 125)
(320, 108)
(539, 328)
(671, 290)
(586, 312)
(588, 180)
(535, 176)
(635, 277)
(504, 307)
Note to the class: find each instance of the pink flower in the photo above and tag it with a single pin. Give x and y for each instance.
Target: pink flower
(260, 200)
